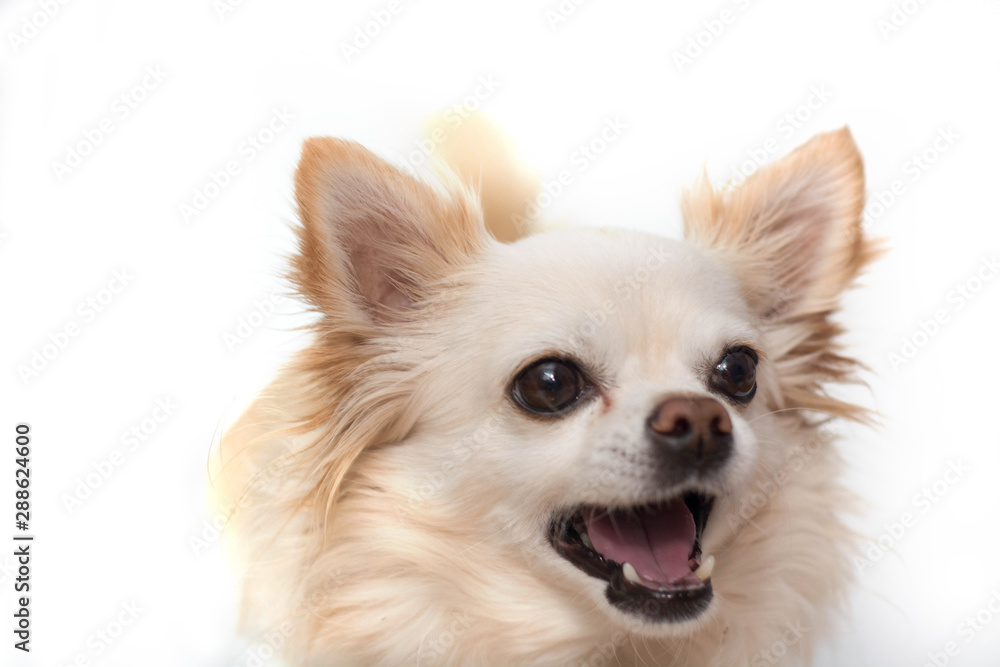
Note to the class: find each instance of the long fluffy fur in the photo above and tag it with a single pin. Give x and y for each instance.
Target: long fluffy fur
(324, 527)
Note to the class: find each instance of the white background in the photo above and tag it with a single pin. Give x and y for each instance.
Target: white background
(135, 538)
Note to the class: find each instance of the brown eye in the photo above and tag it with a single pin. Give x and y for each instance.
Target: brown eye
(736, 374)
(548, 386)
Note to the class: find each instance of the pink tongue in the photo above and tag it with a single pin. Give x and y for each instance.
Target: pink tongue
(657, 543)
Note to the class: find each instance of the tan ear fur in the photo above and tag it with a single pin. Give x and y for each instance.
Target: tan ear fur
(792, 234)
(373, 237)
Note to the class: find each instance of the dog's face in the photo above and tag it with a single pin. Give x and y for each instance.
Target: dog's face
(612, 378)
(593, 400)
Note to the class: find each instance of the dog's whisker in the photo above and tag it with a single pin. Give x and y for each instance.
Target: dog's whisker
(774, 412)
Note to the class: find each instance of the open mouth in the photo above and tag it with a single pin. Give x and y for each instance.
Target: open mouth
(650, 555)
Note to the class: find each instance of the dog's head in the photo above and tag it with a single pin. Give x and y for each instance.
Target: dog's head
(594, 400)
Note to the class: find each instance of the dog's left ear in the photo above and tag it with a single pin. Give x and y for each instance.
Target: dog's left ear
(792, 234)
(792, 230)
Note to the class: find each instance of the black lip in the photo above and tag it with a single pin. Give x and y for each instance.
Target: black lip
(673, 605)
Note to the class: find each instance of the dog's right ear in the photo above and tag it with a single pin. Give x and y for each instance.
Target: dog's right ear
(792, 231)
(374, 239)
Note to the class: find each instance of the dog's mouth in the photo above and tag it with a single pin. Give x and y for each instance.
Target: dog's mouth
(650, 555)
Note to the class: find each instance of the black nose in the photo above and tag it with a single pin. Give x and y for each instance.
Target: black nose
(691, 433)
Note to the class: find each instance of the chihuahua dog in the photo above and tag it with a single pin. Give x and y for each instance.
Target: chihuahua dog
(582, 447)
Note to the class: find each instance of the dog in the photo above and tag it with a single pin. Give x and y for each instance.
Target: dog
(580, 447)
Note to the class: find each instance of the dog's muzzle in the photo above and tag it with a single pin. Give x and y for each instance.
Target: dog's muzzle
(650, 554)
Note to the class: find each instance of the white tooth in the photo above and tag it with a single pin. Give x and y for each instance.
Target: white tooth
(630, 573)
(704, 570)
(585, 538)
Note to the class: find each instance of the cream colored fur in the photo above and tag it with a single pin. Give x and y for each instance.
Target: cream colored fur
(390, 501)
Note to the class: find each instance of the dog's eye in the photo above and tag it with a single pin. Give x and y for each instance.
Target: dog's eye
(736, 374)
(548, 386)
